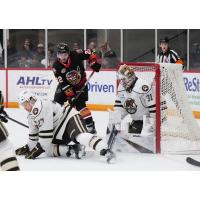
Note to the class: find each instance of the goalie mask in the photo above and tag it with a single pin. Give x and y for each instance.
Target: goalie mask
(126, 77)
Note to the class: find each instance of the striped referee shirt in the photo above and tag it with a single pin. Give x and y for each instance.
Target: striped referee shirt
(168, 57)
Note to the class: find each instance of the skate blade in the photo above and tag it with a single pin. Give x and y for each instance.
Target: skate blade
(111, 160)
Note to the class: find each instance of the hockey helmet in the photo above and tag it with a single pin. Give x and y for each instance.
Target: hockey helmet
(126, 76)
(25, 96)
(62, 48)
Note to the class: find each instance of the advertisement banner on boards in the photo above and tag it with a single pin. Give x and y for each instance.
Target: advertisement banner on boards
(102, 88)
(41, 82)
(192, 86)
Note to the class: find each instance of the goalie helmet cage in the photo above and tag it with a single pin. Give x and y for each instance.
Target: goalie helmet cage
(176, 130)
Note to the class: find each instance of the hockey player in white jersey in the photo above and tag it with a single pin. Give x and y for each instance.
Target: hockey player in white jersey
(134, 98)
(52, 128)
(8, 160)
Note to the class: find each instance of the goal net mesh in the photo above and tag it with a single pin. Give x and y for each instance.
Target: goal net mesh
(177, 131)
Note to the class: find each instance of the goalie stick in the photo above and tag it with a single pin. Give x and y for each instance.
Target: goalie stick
(111, 140)
(112, 137)
(138, 147)
(192, 161)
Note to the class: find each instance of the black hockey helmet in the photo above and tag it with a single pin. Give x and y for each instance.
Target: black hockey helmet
(62, 48)
(165, 39)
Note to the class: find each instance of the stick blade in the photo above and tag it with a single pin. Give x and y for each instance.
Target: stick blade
(193, 161)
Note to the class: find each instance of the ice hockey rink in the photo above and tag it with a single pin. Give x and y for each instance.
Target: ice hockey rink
(92, 161)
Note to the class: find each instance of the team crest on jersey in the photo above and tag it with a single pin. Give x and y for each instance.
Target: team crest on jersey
(130, 106)
(73, 77)
(63, 71)
(145, 88)
(35, 111)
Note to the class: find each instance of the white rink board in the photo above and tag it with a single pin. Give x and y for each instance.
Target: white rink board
(3, 82)
(42, 82)
(102, 86)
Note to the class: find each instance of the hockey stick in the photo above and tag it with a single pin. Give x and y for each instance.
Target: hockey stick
(78, 95)
(90, 76)
(6, 116)
(138, 147)
(112, 137)
(193, 161)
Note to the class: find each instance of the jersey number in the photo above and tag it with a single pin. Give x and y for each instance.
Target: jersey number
(149, 97)
(88, 51)
(60, 80)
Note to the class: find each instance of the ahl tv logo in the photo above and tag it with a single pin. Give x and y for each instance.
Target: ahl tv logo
(34, 81)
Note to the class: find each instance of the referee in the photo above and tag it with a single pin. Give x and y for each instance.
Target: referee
(167, 55)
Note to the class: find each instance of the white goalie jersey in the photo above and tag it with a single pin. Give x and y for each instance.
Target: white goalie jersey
(139, 102)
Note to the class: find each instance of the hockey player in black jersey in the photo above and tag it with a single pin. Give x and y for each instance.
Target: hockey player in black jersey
(70, 73)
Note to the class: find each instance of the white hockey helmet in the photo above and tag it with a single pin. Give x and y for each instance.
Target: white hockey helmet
(26, 95)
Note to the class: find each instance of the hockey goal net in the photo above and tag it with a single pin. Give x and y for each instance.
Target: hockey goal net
(176, 129)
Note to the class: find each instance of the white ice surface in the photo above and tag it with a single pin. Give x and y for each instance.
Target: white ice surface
(92, 161)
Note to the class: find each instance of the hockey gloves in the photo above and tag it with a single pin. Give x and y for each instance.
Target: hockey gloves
(95, 66)
(3, 115)
(70, 93)
(3, 119)
(35, 152)
(93, 62)
(22, 151)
